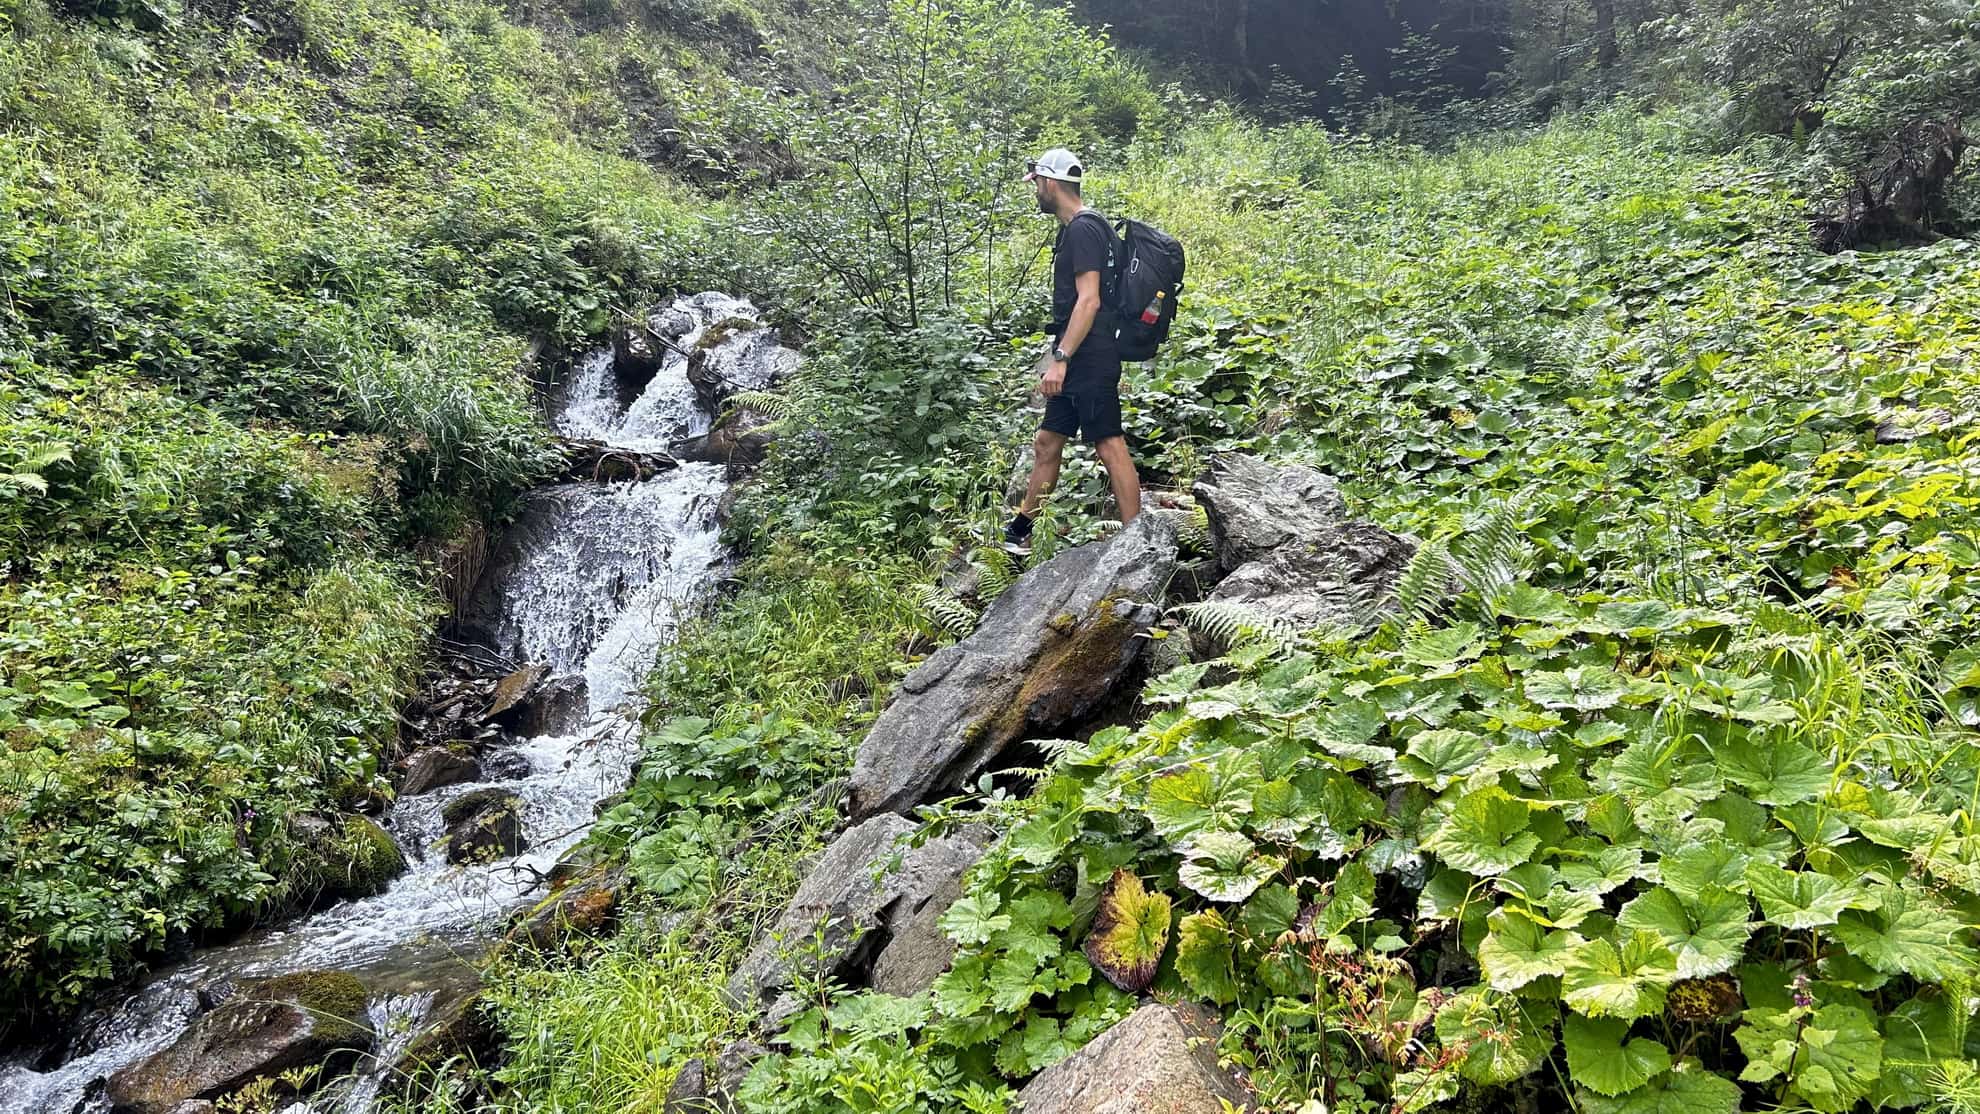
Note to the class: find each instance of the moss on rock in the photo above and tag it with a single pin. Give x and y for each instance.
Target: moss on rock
(369, 856)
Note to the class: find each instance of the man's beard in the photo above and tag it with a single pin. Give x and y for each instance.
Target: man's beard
(1045, 204)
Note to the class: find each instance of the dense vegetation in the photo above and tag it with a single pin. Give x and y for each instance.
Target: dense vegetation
(1655, 795)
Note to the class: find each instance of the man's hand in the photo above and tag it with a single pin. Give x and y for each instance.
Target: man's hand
(1051, 376)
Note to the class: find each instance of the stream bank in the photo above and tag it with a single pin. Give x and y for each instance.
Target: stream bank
(583, 589)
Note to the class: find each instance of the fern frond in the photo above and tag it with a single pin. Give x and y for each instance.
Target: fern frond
(1234, 625)
(768, 403)
(1427, 584)
(1192, 526)
(946, 611)
(996, 570)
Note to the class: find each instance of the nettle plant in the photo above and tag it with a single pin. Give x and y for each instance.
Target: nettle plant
(1597, 851)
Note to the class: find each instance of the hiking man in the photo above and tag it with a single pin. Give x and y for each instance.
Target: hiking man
(1080, 376)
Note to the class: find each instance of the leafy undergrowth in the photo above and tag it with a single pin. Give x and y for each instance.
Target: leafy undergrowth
(1670, 810)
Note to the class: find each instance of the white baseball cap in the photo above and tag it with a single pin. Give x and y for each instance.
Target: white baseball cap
(1058, 163)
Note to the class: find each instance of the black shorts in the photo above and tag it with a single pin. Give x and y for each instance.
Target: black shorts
(1089, 404)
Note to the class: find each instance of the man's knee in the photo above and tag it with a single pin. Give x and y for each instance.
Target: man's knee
(1113, 449)
(1048, 445)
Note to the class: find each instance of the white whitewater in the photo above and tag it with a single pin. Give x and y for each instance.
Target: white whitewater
(598, 595)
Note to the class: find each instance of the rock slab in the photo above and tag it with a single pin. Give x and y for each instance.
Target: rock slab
(1289, 550)
(482, 825)
(289, 1021)
(1048, 652)
(434, 767)
(855, 902)
(1159, 1060)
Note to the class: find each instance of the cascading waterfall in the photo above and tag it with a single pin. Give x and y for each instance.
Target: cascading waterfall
(602, 577)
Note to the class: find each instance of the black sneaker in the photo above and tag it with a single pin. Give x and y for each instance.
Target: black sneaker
(1017, 535)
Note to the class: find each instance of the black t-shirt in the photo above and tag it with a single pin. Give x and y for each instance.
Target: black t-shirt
(1087, 244)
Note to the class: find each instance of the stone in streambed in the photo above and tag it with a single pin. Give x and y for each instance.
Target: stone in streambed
(483, 825)
(740, 441)
(341, 857)
(1159, 1060)
(290, 1021)
(435, 767)
(1051, 649)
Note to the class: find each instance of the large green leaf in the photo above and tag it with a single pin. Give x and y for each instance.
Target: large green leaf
(1602, 981)
(1603, 1058)
(1579, 689)
(1225, 866)
(1831, 1057)
(1486, 833)
(1707, 934)
(1205, 956)
(1130, 932)
(1688, 1088)
(1800, 898)
(1201, 799)
(1500, 1037)
(1775, 772)
(1909, 934)
(1517, 951)
(1689, 870)
(1443, 755)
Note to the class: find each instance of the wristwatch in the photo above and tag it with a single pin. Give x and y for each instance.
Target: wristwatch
(1059, 354)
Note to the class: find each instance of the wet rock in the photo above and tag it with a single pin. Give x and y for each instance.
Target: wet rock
(737, 354)
(434, 767)
(585, 902)
(504, 764)
(289, 1021)
(483, 825)
(637, 353)
(1256, 507)
(740, 440)
(456, 1028)
(1052, 648)
(1159, 1059)
(918, 951)
(347, 856)
(195, 1106)
(512, 690)
(558, 707)
(1306, 562)
(689, 1092)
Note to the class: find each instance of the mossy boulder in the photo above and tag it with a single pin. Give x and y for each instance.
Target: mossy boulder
(269, 1027)
(1052, 650)
(483, 825)
(342, 857)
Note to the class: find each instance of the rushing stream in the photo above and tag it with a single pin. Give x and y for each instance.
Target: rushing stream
(598, 576)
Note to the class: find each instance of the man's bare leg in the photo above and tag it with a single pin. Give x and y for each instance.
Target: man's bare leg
(1048, 451)
(1121, 476)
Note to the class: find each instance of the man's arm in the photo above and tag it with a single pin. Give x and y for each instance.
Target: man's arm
(1052, 373)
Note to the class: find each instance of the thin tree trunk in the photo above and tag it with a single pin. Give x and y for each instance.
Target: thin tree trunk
(1606, 53)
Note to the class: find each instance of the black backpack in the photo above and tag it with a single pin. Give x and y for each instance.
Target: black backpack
(1142, 289)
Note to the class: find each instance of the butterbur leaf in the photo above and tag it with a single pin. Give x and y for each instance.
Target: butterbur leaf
(1831, 1057)
(1773, 771)
(1486, 833)
(1222, 866)
(1688, 871)
(1269, 913)
(1706, 999)
(1918, 1036)
(1516, 950)
(1500, 1037)
(1599, 870)
(1635, 618)
(1799, 898)
(1602, 1057)
(1688, 1088)
(1602, 981)
(1198, 799)
(1537, 605)
(1908, 934)
(1130, 932)
(1177, 685)
(1351, 899)
(1707, 935)
(1204, 958)
(1581, 688)
(1441, 756)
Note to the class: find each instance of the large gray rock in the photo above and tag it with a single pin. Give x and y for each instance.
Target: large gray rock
(740, 440)
(1159, 1060)
(1256, 507)
(735, 355)
(698, 1089)
(435, 767)
(860, 895)
(1290, 551)
(289, 1021)
(918, 951)
(1052, 649)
